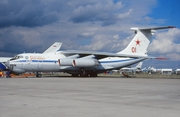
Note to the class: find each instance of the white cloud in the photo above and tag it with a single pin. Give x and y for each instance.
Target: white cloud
(125, 15)
(165, 42)
(107, 44)
(86, 34)
(174, 56)
(100, 11)
(116, 36)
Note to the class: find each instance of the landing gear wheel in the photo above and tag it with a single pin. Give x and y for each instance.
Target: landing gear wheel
(38, 75)
(93, 75)
(74, 75)
(83, 73)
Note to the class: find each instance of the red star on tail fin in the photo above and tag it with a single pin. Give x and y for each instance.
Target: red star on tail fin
(138, 42)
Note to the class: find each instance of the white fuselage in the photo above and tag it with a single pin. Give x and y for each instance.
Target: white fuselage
(50, 62)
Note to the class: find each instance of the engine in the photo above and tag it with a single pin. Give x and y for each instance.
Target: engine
(68, 60)
(65, 62)
(85, 62)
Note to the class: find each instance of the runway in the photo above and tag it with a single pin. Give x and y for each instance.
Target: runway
(89, 97)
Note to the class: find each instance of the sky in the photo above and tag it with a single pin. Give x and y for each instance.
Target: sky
(103, 25)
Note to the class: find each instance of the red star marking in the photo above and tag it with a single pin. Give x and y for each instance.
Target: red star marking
(138, 42)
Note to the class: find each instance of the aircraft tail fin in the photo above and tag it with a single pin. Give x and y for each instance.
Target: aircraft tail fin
(139, 65)
(53, 48)
(140, 42)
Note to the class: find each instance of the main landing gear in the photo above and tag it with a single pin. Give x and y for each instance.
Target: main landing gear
(38, 75)
(85, 74)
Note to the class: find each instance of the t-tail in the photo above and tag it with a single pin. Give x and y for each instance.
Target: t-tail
(139, 44)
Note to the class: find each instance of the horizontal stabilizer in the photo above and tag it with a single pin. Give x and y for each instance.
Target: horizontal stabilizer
(161, 58)
(158, 58)
(153, 28)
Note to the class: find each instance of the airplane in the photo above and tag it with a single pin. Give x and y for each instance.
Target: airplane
(132, 69)
(53, 48)
(152, 70)
(86, 63)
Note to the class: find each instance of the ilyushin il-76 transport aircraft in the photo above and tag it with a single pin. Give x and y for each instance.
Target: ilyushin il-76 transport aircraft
(86, 63)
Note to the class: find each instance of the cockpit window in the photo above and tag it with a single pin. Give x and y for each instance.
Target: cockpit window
(17, 57)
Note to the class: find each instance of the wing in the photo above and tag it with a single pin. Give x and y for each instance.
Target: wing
(99, 55)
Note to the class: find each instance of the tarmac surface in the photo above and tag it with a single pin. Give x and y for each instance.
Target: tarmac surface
(89, 97)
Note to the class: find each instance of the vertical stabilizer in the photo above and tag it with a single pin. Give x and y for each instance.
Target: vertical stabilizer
(140, 42)
(139, 65)
(53, 48)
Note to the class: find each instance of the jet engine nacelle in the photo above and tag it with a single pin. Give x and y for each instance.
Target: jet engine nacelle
(65, 62)
(85, 62)
(68, 60)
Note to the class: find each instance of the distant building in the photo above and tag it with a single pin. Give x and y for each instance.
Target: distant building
(166, 71)
(177, 71)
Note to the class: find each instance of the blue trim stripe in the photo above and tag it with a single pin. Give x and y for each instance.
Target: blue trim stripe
(110, 61)
(36, 61)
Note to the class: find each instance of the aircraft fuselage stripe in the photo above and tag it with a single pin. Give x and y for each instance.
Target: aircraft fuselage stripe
(52, 61)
